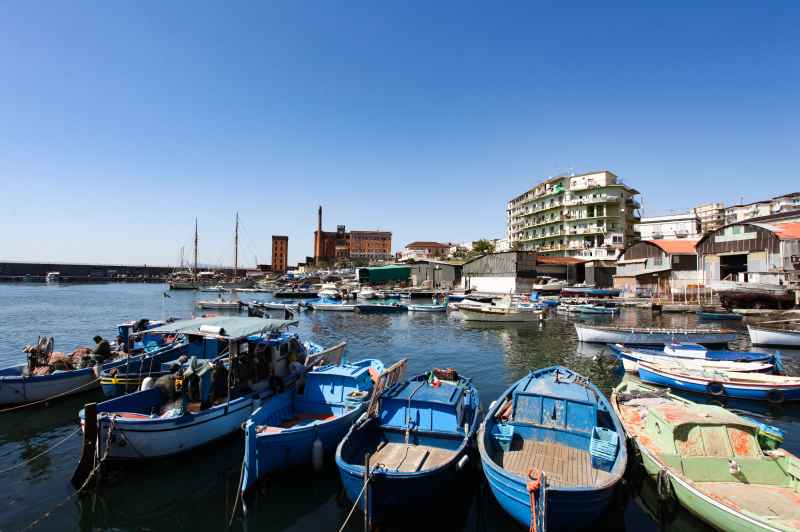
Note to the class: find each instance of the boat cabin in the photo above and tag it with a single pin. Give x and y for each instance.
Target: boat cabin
(421, 406)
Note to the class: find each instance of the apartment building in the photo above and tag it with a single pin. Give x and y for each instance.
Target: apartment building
(670, 227)
(711, 216)
(588, 216)
(758, 209)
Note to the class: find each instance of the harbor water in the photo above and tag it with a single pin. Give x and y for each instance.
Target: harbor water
(197, 491)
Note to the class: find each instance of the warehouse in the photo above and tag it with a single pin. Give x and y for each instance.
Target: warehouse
(515, 271)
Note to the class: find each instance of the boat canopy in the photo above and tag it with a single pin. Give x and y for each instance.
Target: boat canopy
(382, 274)
(223, 327)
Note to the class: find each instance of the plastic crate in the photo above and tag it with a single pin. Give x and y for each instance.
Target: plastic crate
(604, 444)
(503, 433)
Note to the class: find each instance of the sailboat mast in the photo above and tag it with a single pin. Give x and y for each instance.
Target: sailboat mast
(194, 270)
(236, 248)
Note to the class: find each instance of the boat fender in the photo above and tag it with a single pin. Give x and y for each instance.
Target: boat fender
(317, 454)
(663, 487)
(715, 388)
(147, 383)
(775, 396)
(461, 463)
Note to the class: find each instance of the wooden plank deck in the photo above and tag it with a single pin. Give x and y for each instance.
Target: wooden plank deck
(415, 458)
(563, 466)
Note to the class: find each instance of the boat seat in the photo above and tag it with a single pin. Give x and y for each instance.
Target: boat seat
(564, 466)
(410, 458)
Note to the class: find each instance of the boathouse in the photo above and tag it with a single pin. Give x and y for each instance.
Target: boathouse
(515, 271)
(751, 252)
(435, 274)
(657, 268)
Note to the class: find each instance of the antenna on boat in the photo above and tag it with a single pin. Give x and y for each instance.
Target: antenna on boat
(236, 248)
(194, 270)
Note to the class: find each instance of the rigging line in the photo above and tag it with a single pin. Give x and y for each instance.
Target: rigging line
(48, 399)
(29, 460)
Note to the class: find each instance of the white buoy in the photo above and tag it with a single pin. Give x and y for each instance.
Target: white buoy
(147, 383)
(317, 454)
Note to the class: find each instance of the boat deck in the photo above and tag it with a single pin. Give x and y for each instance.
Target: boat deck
(779, 505)
(411, 458)
(564, 467)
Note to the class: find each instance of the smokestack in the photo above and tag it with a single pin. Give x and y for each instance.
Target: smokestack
(319, 219)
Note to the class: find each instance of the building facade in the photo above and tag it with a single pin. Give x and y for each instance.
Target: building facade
(711, 216)
(589, 216)
(422, 250)
(370, 245)
(671, 227)
(343, 246)
(280, 253)
(658, 268)
(758, 209)
(754, 252)
(435, 275)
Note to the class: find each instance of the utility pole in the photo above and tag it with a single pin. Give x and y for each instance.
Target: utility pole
(236, 249)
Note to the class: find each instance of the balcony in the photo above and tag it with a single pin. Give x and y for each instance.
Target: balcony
(600, 198)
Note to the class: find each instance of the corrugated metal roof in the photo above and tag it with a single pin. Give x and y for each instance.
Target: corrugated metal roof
(684, 246)
(234, 327)
(423, 245)
(544, 259)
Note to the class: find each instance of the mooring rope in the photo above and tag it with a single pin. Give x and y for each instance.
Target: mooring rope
(355, 504)
(238, 494)
(89, 478)
(68, 392)
(29, 460)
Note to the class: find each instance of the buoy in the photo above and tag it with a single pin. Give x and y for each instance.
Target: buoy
(316, 454)
(147, 383)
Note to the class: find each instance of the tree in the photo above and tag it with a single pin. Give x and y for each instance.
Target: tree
(516, 246)
(483, 246)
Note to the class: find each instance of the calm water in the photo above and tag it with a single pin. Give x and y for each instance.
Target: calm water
(196, 492)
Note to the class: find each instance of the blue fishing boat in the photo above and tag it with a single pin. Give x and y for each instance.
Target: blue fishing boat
(285, 431)
(597, 309)
(775, 389)
(697, 356)
(380, 308)
(202, 402)
(49, 375)
(552, 450)
(418, 434)
(719, 316)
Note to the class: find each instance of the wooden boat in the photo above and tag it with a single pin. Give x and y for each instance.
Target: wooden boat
(283, 433)
(733, 294)
(695, 356)
(219, 305)
(417, 434)
(647, 336)
(737, 385)
(780, 332)
(597, 309)
(428, 308)
(631, 357)
(710, 460)
(718, 316)
(380, 308)
(338, 307)
(552, 450)
(47, 374)
(211, 402)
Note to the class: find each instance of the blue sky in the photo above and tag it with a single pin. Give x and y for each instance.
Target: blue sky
(122, 121)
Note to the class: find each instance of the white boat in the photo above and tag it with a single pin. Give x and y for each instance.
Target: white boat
(782, 333)
(503, 311)
(53, 277)
(427, 308)
(651, 336)
(367, 292)
(631, 358)
(218, 305)
(329, 291)
(548, 284)
(337, 307)
(215, 288)
(271, 305)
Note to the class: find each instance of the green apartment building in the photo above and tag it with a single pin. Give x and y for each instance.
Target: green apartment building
(588, 216)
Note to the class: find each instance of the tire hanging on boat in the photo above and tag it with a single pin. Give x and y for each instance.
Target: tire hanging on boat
(775, 397)
(715, 388)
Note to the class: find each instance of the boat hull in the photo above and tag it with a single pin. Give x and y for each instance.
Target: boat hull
(763, 336)
(650, 337)
(381, 309)
(700, 385)
(511, 317)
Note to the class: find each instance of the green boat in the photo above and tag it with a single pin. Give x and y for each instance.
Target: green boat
(710, 460)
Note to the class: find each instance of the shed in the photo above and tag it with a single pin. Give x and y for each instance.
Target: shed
(384, 274)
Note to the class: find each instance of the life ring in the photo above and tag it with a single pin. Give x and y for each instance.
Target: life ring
(775, 396)
(715, 388)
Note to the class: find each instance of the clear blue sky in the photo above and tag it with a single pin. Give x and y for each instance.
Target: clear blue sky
(122, 121)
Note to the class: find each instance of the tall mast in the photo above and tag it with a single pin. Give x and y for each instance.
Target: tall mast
(194, 270)
(236, 248)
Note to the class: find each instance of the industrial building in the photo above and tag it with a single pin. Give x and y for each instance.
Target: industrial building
(280, 253)
(657, 268)
(341, 245)
(515, 272)
(435, 274)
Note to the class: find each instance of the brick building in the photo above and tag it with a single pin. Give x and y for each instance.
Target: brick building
(280, 253)
(341, 245)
